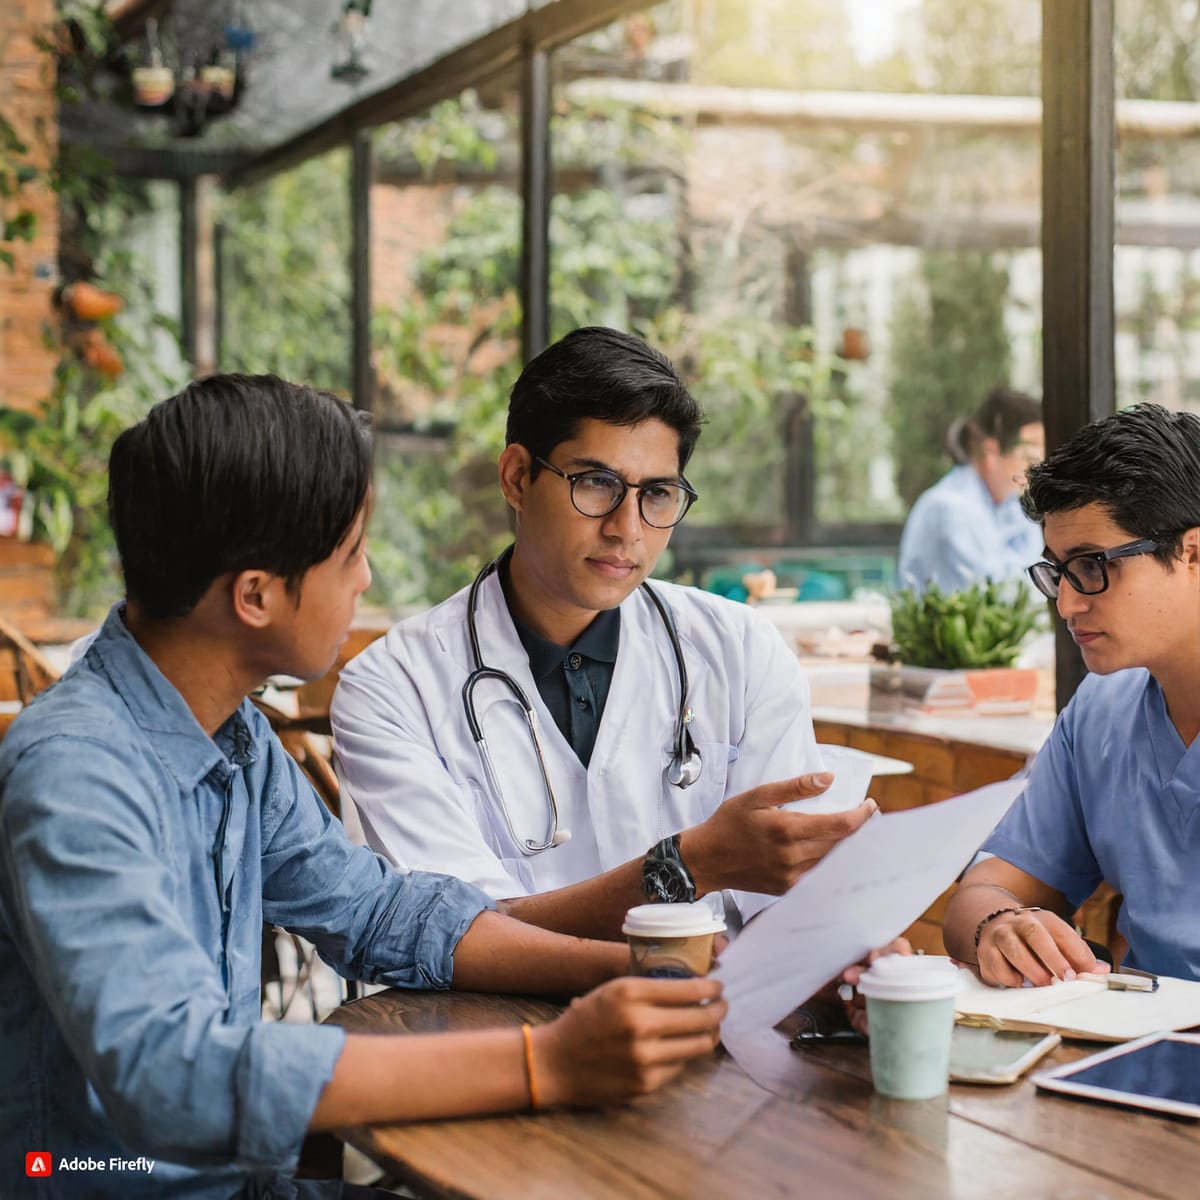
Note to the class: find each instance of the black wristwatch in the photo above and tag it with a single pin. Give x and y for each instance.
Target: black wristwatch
(664, 877)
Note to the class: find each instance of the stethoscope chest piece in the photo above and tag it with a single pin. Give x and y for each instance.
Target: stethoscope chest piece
(684, 769)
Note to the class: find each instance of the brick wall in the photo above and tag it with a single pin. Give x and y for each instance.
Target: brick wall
(27, 589)
(27, 100)
(405, 222)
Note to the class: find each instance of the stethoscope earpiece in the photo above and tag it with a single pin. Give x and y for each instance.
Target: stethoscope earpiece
(682, 771)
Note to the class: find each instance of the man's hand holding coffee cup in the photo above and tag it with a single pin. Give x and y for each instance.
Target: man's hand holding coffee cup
(625, 1038)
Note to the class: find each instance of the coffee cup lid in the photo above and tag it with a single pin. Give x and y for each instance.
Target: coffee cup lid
(910, 977)
(671, 920)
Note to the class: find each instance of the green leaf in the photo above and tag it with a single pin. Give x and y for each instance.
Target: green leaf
(979, 626)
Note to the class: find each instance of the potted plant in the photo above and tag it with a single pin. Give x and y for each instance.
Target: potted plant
(957, 649)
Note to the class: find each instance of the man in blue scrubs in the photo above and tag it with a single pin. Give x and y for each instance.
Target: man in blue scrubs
(1114, 795)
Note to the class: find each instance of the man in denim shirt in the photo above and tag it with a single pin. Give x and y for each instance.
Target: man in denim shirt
(150, 822)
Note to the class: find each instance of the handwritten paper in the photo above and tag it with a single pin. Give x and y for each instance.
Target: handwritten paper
(867, 890)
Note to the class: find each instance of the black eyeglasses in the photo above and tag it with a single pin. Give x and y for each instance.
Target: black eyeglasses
(1086, 573)
(596, 493)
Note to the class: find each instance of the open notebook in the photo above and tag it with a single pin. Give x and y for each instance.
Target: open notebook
(1081, 1009)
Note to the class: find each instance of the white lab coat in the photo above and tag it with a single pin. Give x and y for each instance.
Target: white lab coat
(407, 760)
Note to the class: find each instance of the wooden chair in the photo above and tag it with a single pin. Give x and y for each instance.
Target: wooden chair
(1097, 920)
(303, 747)
(24, 669)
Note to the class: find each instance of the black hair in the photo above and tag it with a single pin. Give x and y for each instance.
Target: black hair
(234, 472)
(1002, 415)
(605, 375)
(1141, 465)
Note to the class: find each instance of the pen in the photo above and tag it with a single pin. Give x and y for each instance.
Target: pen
(1124, 981)
(813, 1037)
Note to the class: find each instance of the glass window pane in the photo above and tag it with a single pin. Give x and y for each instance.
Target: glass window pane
(1157, 256)
(445, 338)
(829, 217)
(285, 263)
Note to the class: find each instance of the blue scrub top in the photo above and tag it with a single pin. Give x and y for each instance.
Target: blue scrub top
(957, 535)
(1114, 795)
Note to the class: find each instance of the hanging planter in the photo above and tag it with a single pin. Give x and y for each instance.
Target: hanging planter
(205, 77)
(153, 86)
(99, 353)
(856, 346)
(90, 303)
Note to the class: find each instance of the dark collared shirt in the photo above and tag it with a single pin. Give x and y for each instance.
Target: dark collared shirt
(573, 680)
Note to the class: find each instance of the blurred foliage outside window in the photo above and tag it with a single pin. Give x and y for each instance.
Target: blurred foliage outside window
(58, 452)
(285, 291)
(1157, 282)
(628, 249)
(713, 296)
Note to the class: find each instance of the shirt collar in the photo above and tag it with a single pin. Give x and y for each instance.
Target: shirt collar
(182, 746)
(972, 480)
(599, 641)
(602, 637)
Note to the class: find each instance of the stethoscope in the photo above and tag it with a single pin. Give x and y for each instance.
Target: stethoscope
(682, 771)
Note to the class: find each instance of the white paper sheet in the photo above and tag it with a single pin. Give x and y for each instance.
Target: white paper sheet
(864, 892)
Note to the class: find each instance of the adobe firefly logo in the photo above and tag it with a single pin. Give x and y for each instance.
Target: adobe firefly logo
(38, 1163)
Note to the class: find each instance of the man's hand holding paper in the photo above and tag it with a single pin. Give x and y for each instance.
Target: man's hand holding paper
(750, 843)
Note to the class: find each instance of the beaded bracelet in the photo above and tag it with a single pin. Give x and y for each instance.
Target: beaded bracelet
(999, 913)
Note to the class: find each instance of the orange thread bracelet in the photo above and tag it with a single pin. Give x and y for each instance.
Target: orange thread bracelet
(527, 1036)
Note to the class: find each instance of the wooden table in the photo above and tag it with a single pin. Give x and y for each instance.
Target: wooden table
(715, 1134)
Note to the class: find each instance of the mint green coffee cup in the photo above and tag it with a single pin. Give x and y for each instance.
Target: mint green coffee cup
(910, 1015)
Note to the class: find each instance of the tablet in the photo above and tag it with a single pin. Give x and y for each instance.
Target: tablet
(1159, 1072)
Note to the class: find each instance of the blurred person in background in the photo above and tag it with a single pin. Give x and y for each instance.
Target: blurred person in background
(969, 526)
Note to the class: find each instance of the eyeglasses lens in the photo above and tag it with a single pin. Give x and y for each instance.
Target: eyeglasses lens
(597, 493)
(1086, 575)
(1090, 574)
(663, 505)
(1046, 579)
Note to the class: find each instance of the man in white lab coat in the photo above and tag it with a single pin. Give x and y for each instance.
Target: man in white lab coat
(600, 430)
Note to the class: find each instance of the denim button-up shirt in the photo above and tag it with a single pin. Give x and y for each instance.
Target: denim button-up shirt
(138, 860)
